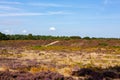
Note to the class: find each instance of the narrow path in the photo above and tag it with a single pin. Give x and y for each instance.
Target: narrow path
(52, 43)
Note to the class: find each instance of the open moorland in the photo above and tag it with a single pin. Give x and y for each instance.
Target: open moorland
(74, 59)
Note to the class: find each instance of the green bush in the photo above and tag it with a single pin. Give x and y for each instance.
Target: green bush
(103, 44)
(75, 37)
(87, 38)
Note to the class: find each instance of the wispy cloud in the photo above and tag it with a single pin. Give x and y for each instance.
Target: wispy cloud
(3, 7)
(60, 5)
(58, 12)
(107, 17)
(9, 6)
(21, 14)
(6, 2)
(47, 5)
(33, 14)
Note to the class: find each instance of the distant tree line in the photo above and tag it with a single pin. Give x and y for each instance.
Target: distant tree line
(35, 37)
(42, 37)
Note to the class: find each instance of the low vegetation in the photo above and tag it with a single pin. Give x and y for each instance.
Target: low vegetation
(71, 58)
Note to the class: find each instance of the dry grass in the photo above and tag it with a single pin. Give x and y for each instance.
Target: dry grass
(63, 59)
(64, 62)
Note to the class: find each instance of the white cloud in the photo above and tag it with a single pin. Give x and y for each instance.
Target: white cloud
(20, 14)
(110, 17)
(24, 31)
(33, 14)
(8, 8)
(57, 12)
(6, 2)
(47, 5)
(52, 28)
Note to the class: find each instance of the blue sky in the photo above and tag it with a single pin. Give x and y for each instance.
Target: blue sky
(94, 18)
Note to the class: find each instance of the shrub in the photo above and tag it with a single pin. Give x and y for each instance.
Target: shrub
(75, 37)
(87, 38)
(82, 72)
(103, 44)
(110, 74)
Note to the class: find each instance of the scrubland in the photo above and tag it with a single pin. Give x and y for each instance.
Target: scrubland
(78, 59)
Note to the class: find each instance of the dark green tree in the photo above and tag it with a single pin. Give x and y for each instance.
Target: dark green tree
(30, 37)
(87, 38)
(3, 36)
(75, 37)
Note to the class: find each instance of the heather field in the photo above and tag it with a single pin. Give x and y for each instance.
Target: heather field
(75, 59)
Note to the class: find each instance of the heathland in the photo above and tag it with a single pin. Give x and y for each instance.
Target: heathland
(30, 57)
